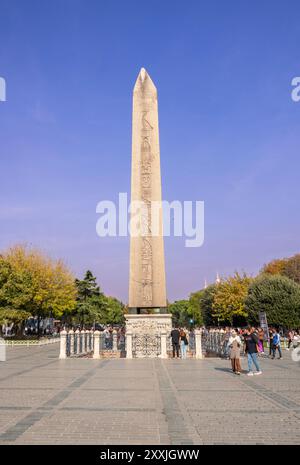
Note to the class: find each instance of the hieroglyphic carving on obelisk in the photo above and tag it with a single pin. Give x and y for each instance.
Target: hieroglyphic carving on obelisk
(147, 286)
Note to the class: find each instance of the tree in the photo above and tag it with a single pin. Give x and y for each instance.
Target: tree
(195, 308)
(206, 299)
(229, 299)
(93, 306)
(90, 302)
(275, 266)
(292, 268)
(87, 287)
(276, 295)
(33, 283)
(181, 312)
(115, 311)
(289, 267)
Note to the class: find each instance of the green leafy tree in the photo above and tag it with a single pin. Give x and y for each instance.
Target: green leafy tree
(206, 299)
(229, 299)
(114, 311)
(276, 295)
(181, 312)
(195, 309)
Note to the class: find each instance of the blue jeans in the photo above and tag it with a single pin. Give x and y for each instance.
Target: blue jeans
(274, 347)
(252, 358)
(183, 349)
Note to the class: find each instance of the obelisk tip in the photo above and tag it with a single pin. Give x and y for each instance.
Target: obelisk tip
(144, 81)
(143, 73)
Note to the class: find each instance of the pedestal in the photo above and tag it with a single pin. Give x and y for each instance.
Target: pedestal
(146, 334)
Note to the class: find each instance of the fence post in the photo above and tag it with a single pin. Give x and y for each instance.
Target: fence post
(71, 333)
(115, 341)
(87, 341)
(91, 347)
(198, 344)
(77, 332)
(82, 335)
(96, 353)
(88, 344)
(102, 341)
(128, 344)
(2, 350)
(163, 344)
(63, 344)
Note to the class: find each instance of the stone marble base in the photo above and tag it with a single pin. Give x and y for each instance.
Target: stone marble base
(144, 334)
(152, 324)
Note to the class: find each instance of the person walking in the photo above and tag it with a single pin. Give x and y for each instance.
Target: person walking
(251, 340)
(175, 335)
(234, 344)
(276, 345)
(183, 343)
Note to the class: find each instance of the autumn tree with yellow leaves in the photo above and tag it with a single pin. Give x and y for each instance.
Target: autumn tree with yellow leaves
(32, 284)
(229, 298)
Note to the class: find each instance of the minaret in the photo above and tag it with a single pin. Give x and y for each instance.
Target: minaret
(147, 286)
(218, 280)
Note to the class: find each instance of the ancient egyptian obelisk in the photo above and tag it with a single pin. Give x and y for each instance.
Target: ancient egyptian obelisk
(147, 284)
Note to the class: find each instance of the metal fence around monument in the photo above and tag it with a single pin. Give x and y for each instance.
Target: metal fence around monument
(214, 343)
(191, 343)
(79, 343)
(68, 345)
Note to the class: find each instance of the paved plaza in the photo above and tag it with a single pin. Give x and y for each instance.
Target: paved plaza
(44, 400)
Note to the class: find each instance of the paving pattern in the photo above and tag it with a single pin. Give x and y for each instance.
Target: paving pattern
(44, 400)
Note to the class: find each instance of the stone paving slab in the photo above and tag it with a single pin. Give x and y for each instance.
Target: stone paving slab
(44, 400)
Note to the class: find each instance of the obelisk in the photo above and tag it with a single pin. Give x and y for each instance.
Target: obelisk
(147, 284)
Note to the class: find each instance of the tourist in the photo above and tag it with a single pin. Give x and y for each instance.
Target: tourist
(234, 344)
(290, 338)
(296, 340)
(271, 341)
(251, 340)
(276, 345)
(183, 343)
(261, 336)
(175, 335)
(107, 338)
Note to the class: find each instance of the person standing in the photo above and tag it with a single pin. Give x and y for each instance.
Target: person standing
(271, 341)
(290, 338)
(234, 344)
(175, 335)
(251, 341)
(276, 345)
(183, 343)
(261, 336)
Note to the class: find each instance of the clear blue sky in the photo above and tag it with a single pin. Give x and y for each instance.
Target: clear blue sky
(229, 130)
